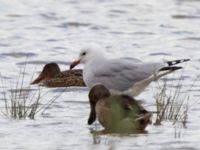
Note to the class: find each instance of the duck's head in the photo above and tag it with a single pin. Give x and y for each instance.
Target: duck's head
(97, 93)
(49, 71)
(87, 53)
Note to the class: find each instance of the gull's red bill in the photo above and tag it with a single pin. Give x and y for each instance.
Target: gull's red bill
(73, 64)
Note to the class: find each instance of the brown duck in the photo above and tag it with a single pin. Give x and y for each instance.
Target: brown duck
(117, 113)
(51, 76)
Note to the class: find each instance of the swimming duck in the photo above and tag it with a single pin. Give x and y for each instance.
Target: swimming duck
(117, 113)
(51, 76)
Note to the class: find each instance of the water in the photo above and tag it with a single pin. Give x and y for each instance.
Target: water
(53, 30)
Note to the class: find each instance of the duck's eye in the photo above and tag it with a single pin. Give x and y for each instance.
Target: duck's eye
(83, 54)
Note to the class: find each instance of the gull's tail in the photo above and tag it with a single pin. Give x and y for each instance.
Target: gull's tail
(138, 87)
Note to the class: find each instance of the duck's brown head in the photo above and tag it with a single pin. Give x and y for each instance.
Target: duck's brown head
(49, 71)
(96, 93)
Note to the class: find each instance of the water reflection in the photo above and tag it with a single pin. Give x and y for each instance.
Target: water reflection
(185, 17)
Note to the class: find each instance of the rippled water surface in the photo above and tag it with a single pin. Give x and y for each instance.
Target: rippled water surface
(52, 30)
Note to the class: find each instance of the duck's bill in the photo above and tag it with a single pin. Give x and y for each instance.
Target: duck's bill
(73, 64)
(38, 79)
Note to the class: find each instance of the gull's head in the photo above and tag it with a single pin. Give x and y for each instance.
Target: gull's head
(88, 53)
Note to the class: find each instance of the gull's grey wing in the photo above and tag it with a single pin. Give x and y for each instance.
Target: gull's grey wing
(121, 74)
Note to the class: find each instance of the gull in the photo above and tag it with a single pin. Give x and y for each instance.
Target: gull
(128, 76)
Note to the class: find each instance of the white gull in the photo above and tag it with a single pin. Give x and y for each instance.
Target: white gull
(122, 75)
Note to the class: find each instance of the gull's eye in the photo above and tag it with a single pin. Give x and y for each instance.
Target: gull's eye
(83, 54)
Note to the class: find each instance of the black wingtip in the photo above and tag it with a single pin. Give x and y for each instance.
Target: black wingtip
(184, 60)
(174, 62)
(170, 68)
(187, 59)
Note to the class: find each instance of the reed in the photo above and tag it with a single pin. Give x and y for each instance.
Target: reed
(173, 104)
(21, 102)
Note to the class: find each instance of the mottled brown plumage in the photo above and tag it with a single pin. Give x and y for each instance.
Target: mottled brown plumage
(51, 76)
(117, 113)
